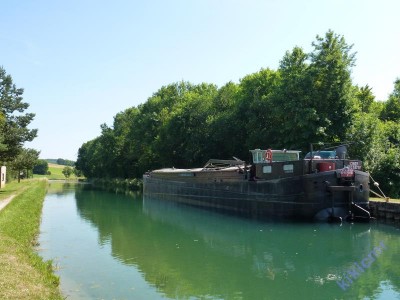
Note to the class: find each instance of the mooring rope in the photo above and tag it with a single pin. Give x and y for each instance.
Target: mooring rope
(376, 194)
(377, 185)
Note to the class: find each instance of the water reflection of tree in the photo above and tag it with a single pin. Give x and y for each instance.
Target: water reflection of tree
(193, 253)
(61, 188)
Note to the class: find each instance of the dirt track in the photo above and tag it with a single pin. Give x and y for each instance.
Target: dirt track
(4, 202)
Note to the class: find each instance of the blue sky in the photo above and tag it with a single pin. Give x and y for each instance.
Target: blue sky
(83, 61)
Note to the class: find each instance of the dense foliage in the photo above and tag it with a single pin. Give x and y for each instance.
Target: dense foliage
(310, 98)
(25, 161)
(67, 171)
(65, 162)
(41, 167)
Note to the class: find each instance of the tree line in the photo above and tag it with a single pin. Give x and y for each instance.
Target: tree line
(14, 130)
(310, 98)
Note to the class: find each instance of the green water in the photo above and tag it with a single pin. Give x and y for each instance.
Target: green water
(109, 246)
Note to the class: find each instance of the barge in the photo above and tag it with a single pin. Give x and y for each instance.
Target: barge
(325, 185)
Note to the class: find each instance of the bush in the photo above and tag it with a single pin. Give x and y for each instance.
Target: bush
(41, 167)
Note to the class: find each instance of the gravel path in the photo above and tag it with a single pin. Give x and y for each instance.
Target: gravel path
(3, 203)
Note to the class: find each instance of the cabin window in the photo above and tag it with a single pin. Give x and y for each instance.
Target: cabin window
(267, 169)
(286, 156)
(259, 157)
(288, 168)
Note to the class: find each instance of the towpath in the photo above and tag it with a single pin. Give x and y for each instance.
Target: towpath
(4, 202)
(14, 189)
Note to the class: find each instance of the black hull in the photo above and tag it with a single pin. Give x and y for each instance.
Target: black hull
(305, 197)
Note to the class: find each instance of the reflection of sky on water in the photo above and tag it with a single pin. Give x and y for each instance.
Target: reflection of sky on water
(86, 267)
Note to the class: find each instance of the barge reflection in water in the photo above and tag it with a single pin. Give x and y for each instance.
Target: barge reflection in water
(117, 247)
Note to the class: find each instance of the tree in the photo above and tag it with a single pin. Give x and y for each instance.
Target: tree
(14, 131)
(86, 161)
(295, 115)
(331, 88)
(391, 111)
(225, 136)
(365, 98)
(183, 134)
(368, 140)
(254, 110)
(65, 162)
(24, 162)
(387, 172)
(41, 167)
(77, 172)
(67, 171)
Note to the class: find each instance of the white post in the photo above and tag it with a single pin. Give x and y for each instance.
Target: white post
(3, 176)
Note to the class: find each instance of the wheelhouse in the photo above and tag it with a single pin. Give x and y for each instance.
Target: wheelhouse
(260, 156)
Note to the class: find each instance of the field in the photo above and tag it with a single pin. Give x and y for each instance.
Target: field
(56, 173)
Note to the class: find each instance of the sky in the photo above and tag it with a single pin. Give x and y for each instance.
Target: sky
(81, 62)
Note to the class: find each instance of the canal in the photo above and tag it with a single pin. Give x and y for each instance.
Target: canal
(112, 246)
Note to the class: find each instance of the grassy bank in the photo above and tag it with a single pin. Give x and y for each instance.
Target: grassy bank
(11, 189)
(384, 200)
(23, 273)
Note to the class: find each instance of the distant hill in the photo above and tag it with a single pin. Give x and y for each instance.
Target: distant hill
(60, 161)
(51, 161)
